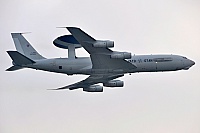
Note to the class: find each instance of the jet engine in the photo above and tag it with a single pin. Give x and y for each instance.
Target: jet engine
(104, 44)
(114, 83)
(121, 55)
(94, 88)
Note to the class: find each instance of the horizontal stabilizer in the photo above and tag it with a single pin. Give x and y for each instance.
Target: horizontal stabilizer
(13, 68)
(19, 59)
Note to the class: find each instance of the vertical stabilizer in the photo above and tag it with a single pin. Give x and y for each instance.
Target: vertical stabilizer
(24, 47)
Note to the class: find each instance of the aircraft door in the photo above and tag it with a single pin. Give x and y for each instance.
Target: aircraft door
(70, 66)
(53, 65)
(156, 64)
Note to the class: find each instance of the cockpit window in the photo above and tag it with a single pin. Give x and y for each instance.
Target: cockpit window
(184, 58)
(162, 59)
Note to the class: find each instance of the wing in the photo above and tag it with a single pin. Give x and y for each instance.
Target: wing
(101, 59)
(86, 41)
(100, 56)
(91, 80)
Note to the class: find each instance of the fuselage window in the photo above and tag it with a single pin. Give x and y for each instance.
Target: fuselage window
(162, 59)
(60, 67)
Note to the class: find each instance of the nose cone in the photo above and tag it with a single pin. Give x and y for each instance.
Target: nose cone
(192, 62)
(188, 64)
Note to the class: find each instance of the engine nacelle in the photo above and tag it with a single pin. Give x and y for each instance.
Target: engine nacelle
(114, 83)
(94, 88)
(104, 44)
(121, 55)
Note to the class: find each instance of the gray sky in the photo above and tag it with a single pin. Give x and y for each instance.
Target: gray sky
(167, 102)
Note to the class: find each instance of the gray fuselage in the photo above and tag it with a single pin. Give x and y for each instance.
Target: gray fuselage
(144, 63)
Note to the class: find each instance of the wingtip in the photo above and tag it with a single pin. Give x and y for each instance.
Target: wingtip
(57, 89)
(61, 27)
(53, 89)
(70, 28)
(61, 88)
(15, 34)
